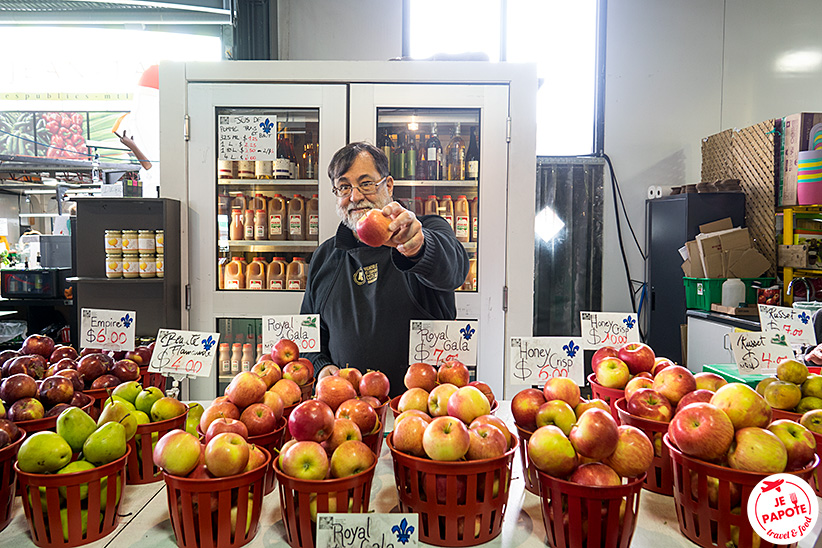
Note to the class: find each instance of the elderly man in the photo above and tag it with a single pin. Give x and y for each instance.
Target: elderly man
(367, 296)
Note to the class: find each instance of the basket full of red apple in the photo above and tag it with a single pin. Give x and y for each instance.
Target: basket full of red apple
(286, 355)
(12, 438)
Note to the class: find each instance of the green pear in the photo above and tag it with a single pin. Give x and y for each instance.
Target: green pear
(106, 444)
(167, 408)
(146, 399)
(111, 399)
(141, 417)
(118, 412)
(43, 452)
(104, 493)
(75, 425)
(195, 409)
(43, 504)
(2, 410)
(70, 468)
(128, 391)
(64, 522)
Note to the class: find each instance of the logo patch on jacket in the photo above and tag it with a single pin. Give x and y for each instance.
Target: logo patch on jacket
(367, 274)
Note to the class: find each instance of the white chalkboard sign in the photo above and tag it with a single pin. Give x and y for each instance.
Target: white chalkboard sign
(246, 137)
(107, 329)
(795, 323)
(367, 530)
(184, 353)
(759, 352)
(437, 341)
(600, 329)
(534, 360)
(303, 329)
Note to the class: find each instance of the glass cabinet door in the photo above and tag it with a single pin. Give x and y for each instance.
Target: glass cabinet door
(433, 156)
(241, 343)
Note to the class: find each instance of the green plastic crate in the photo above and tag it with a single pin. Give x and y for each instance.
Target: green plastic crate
(701, 293)
(730, 372)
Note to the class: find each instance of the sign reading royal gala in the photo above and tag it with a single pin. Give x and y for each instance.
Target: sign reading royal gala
(437, 341)
(303, 329)
(534, 360)
(600, 329)
(367, 530)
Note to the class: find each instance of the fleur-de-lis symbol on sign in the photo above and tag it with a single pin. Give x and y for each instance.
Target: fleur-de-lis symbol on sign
(804, 317)
(127, 320)
(467, 332)
(403, 531)
(571, 349)
(267, 125)
(629, 321)
(208, 343)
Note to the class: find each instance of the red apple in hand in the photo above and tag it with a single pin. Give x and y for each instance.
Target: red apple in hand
(453, 372)
(285, 351)
(595, 434)
(638, 357)
(702, 431)
(650, 404)
(372, 228)
(674, 382)
(421, 375)
(376, 384)
(634, 453)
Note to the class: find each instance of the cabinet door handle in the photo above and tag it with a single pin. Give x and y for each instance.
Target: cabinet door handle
(726, 341)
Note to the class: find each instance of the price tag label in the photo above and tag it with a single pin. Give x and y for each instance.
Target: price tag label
(759, 352)
(107, 329)
(437, 341)
(534, 360)
(303, 329)
(246, 137)
(607, 329)
(795, 323)
(373, 530)
(190, 353)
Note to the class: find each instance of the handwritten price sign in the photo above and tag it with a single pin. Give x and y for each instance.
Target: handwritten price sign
(435, 342)
(607, 329)
(302, 329)
(107, 329)
(246, 137)
(759, 352)
(188, 353)
(375, 530)
(534, 360)
(793, 322)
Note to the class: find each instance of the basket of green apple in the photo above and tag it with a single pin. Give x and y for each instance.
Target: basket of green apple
(720, 450)
(155, 414)
(11, 437)
(74, 502)
(796, 394)
(212, 489)
(252, 408)
(594, 503)
(452, 466)
(323, 468)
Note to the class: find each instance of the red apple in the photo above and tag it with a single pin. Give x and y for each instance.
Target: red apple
(650, 404)
(709, 381)
(660, 364)
(595, 434)
(38, 344)
(453, 372)
(259, 419)
(361, 413)
(468, 403)
(561, 388)
(799, 442)
(305, 460)
(26, 409)
(289, 391)
(524, 407)
(485, 389)
(635, 384)
(65, 363)
(312, 420)
(594, 403)
(446, 439)
(352, 375)
(674, 382)
(74, 377)
(372, 228)
(226, 454)
(743, 405)
(104, 381)
(702, 431)
(602, 353)
(352, 457)
(438, 399)
(87, 351)
(644, 375)
(177, 452)
(285, 351)
(634, 453)
(486, 442)
(7, 355)
(412, 413)
(421, 375)
(126, 370)
(407, 435)
(334, 390)
(36, 364)
(757, 450)
(697, 396)
(225, 409)
(245, 388)
(595, 474)
(54, 390)
(552, 452)
(60, 352)
(222, 424)
(372, 401)
(92, 366)
(267, 370)
(376, 384)
(9, 428)
(298, 372)
(15, 366)
(812, 420)
(274, 402)
(344, 430)
(493, 420)
(638, 357)
(17, 387)
(56, 410)
(140, 355)
(613, 373)
(256, 458)
(557, 413)
(413, 398)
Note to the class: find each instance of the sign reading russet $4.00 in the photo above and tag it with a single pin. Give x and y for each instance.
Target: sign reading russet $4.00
(600, 329)
(759, 352)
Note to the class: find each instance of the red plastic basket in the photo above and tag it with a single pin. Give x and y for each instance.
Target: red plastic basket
(307, 389)
(212, 529)
(272, 443)
(147, 378)
(140, 466)
(816, 479)
(469, 511)
(394, 402)
(101, 516)
(46, 423)
(660, 478)
(8, 478)
(590, 516)
(608, 395)
(343, 495)
(529, 471)
(701, 523)
(374, 440)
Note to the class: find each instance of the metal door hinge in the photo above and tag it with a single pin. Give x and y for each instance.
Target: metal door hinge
(505, 298)
(188, 296)
(186, 126)
(508, 130)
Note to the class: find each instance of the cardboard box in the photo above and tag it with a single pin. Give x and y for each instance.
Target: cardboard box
(796, 130)
(724, 252)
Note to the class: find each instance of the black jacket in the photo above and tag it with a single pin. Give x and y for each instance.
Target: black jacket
(367, 296)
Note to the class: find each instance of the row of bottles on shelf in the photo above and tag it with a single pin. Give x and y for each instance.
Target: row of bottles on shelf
(421, 157)
(462, 214)
(290, 163)
(261, 275)
(470, 283)
(238, 356)
(263, 218)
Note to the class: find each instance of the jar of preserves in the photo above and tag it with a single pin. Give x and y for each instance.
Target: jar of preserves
(131, 241)
(114, 241)
(159, 242)
(131, 265)
(145, 240)
(114, 265)
(159, 266)
(148, 265)
(226, 169)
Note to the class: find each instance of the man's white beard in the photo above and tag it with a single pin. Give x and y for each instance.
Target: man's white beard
(349, 218)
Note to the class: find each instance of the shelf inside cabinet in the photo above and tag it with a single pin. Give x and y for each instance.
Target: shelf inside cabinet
(269, 245)
(469, 246)
(89, 279)
(464, 184)
(264, 183)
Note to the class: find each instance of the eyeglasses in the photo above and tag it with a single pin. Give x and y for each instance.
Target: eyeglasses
(366, 188)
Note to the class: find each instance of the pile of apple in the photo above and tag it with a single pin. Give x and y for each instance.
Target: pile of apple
(793, 389)
(429, 389)
(285, 355)
(615, 367)
(353, 395)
